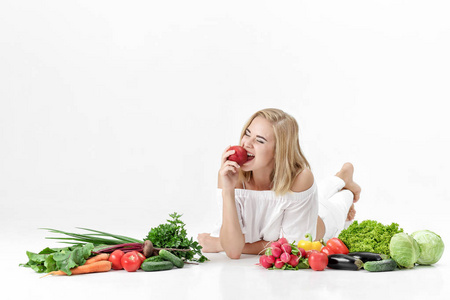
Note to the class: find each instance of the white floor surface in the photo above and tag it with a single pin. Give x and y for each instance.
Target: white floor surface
(222, 278)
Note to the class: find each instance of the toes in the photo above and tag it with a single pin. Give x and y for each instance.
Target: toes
(351, 213)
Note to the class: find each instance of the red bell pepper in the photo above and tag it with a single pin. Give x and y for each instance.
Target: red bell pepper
(327, 250)
(335, 246)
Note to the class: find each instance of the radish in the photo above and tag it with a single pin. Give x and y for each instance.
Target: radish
(286, 248)
(275, 244)
(263, 261)
(261, 258)
(276, 251)
(294, 260)
(283, 241)
(285, 257)
(279, 263)
(301, 252)
(270, 259)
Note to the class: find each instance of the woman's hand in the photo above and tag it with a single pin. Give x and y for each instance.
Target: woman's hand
(209, 244)
(229, 171)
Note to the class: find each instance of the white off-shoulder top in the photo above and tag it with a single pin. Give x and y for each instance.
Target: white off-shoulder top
(265, 216)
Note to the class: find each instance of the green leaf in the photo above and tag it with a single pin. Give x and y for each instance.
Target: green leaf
(64, 259)
(173, 235)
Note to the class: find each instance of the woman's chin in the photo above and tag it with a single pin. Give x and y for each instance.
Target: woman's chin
(247, 166)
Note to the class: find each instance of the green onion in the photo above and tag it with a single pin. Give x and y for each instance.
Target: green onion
(97, 238)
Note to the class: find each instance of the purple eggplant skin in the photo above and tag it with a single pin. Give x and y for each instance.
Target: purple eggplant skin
(368, 256)
(344, 262)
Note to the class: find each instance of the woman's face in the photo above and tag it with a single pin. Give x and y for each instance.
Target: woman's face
(259, 141)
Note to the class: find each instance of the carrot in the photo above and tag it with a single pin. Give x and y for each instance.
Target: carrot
(99, 266)
(103, 256)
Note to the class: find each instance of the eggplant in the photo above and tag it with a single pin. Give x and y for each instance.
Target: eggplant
(344, 262)
(368, 256)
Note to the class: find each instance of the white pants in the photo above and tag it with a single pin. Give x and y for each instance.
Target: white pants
(334, 203)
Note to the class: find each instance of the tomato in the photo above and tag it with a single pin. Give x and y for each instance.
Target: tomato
(141, 256)
(115, 259)
(131, 261)
(309, 252)
(318, 261)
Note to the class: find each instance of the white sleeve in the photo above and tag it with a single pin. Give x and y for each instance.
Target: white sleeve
(300, 217)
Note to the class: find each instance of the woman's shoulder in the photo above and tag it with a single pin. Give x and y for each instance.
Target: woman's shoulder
(303, 181)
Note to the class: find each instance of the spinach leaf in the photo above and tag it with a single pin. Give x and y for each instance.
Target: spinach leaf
(54, 259)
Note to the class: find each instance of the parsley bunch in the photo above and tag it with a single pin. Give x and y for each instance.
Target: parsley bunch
(174, 235)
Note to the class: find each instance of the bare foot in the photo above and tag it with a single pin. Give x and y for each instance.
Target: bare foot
(351, 213)
(209, 244)
(346, 174)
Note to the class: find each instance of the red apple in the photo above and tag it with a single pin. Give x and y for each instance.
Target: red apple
(239, 156)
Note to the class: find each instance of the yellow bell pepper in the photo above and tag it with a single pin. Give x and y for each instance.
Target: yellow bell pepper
(309, 244)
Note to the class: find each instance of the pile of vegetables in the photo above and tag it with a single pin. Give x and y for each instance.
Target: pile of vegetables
(168, 242)
(368, 245)
(423, 247)
(282, 255)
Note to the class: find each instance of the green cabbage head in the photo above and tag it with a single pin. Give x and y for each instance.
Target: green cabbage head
(431, 246)
(404, 250)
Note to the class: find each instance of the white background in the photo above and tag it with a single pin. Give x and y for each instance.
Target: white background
(114, 114)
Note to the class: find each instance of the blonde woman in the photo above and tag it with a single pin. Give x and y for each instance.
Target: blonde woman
(274, 193)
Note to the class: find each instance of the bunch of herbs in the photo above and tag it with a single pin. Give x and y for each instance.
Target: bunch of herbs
(173, 235)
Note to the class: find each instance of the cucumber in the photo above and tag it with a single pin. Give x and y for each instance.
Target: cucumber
(150, 266)
(381, 265)
(171, 257)
(154, 258)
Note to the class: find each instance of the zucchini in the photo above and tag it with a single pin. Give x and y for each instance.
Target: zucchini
(150, 266)
(171, 257)
(368, 256)
(380, 266)
(344, 262)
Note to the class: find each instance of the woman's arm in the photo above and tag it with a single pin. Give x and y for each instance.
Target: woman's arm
(257, 248)
(212, 244)
(231, 237)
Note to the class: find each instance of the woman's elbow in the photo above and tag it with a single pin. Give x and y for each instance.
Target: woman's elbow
(233, 254)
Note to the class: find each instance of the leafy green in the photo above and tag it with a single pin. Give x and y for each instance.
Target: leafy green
(369, 236)
(431, 246)
(54, 259)
(404, 250)
(174, 235)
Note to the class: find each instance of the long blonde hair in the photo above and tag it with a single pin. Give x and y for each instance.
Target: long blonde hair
(289, 158)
